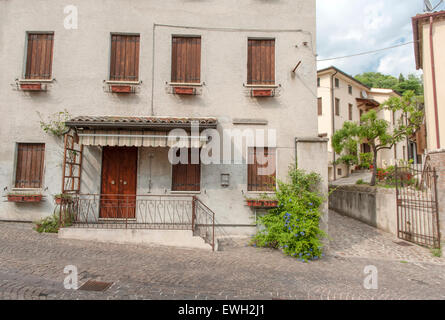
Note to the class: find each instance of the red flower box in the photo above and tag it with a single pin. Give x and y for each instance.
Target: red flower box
(262, 203)
(24, 198)
(184, 90)
(262, 93)
(121, 89)
(31, 86)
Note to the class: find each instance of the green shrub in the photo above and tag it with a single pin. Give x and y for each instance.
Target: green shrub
(360, 181)
(294, 225)
(51, 224)
(366, 160)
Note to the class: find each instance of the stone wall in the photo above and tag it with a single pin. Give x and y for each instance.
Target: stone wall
(374, 206)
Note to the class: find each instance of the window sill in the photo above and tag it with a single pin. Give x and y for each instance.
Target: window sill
(35, 85)
(124, 87)
(260, 192)
(262, 86)
(36, 80)
(184, 192)
(27, 189)
(123, 82)
(185, 84)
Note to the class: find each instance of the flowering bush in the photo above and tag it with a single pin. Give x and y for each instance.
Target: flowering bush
(294, 225)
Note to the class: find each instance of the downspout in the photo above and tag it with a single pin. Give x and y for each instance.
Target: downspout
(433, 72)
(333, 122)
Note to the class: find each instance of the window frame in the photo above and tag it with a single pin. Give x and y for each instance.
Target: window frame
(274, 84)
(350, 89)
(320, 106)
(15, 171)
(350, 111)
(337, 107)
(191, 36)
(248, 165)
(111, 54)
(200, 175)
(25, 56)
(337, 82)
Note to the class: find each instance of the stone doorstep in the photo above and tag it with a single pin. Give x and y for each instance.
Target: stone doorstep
(173, 238)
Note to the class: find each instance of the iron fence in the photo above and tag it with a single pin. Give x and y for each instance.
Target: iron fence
(161, 212)
(417, 206)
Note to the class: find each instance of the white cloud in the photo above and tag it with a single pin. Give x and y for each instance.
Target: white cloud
(346, 27)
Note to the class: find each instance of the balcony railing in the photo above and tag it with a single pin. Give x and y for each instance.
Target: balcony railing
(161, 212)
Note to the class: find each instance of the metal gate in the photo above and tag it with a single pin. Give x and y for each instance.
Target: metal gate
(417, 206)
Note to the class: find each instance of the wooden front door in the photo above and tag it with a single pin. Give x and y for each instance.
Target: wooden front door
(119, 172)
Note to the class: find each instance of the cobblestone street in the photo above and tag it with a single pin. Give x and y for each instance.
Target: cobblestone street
(32, 264)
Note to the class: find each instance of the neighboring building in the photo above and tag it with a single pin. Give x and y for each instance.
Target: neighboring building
(343, 98)
(429, 48)
(130, 74)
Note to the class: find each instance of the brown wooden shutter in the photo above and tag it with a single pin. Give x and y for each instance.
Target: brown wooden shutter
(337, 106)
(39, 56)
(186, 60)
(124, 62)
(261, 62)
(255, 181)
(350, 111)
(30, 160)
(320, 106)
(186, 177)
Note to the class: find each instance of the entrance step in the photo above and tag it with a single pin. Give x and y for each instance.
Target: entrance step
(173, 238)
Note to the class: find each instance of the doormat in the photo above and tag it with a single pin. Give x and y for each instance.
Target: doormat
(93, 285)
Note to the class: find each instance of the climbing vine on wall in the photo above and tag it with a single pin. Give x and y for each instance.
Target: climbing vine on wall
(55, 123)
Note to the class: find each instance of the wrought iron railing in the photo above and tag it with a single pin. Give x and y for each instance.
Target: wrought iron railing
(204, 222)
(161, 212)
(417, 206)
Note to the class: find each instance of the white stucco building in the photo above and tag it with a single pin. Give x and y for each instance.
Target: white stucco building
(130, 72)
(343, 98)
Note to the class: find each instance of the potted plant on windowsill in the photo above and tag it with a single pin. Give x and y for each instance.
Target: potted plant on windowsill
(24, 197)
(263, 201)
(63, 198)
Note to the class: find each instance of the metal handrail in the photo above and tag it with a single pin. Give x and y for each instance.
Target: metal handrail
(204, 224)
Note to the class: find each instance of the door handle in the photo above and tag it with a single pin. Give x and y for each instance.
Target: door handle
(113, 182)
(125, 182)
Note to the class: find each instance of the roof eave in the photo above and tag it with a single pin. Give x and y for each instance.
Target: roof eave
(138, 126)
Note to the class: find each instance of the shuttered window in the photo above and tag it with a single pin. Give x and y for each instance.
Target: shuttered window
(39, 55)
(337, 106)
(186, 177)
(257, 160)
(29, 170)
(350, 111)
(186, 59)
(261, 62)
(320, 106)
(124, 62)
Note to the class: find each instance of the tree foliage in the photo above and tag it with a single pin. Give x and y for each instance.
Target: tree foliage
(377, 132)
(401, 85)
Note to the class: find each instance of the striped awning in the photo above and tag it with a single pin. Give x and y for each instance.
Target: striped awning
(122, 138)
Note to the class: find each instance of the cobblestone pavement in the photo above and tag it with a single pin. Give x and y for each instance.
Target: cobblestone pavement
(32, 264)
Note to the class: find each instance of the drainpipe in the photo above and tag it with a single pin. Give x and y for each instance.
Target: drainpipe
(333, 121)
(433, 72)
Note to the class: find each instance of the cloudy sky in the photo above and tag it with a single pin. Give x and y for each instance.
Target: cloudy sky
(347, 27)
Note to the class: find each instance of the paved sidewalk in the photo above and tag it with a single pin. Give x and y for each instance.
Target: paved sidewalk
(353, 178)
(31, 267)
